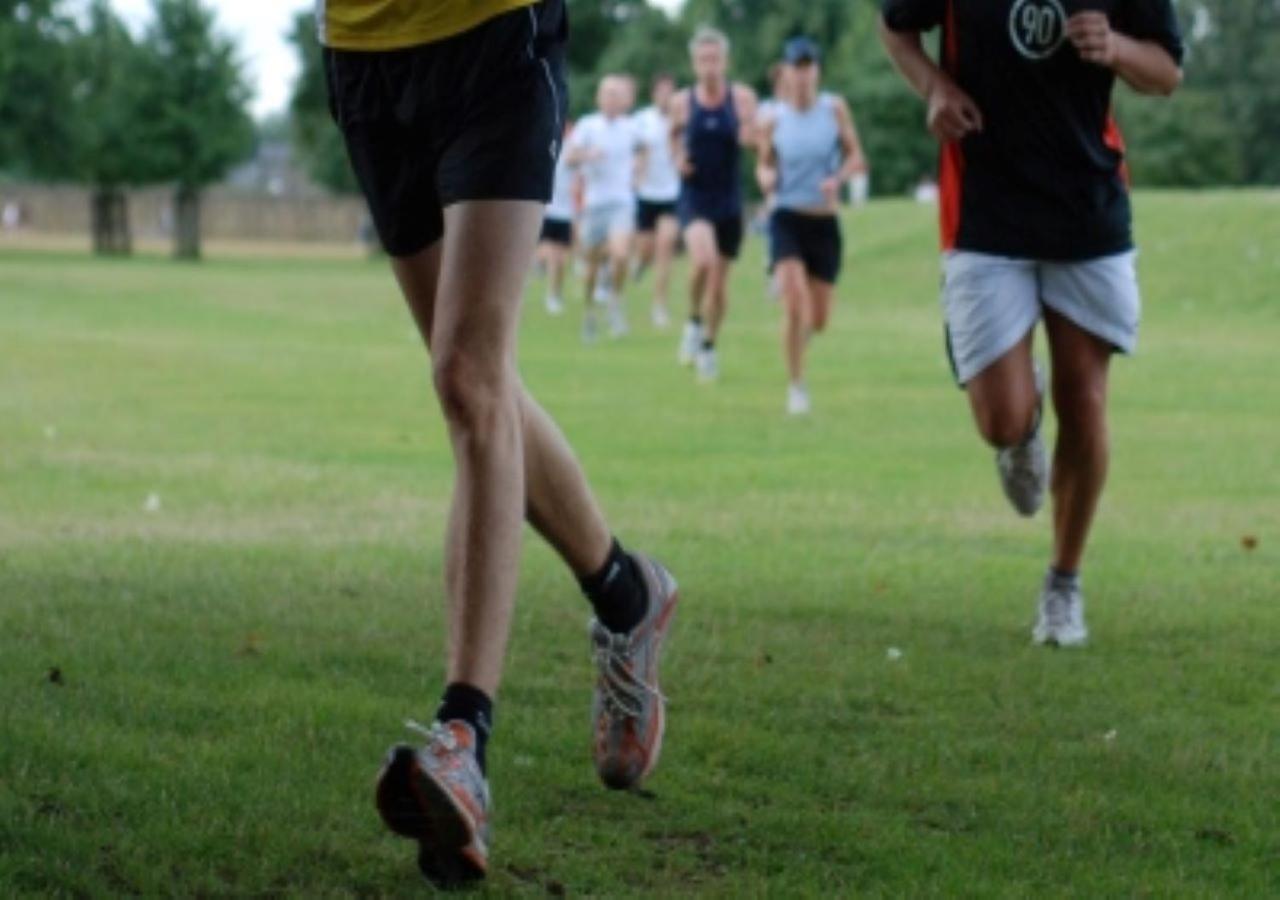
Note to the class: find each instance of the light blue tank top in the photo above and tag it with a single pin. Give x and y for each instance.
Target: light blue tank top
(808, 146)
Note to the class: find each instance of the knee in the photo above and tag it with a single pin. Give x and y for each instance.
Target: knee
(474, 392)
(1004, 427)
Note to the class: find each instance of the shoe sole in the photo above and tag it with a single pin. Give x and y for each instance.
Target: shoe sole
(416, 806)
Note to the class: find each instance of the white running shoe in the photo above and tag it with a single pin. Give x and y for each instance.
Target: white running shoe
(690, 342)
(1024, 469)
(618, 326)
(1061, 620)
(661, 319)
(798, 400)
(555, 306)
(708, 366)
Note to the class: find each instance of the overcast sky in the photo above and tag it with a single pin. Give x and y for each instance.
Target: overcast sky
(260, 26)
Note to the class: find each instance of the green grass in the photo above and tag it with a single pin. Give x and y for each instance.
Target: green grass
(234, 664)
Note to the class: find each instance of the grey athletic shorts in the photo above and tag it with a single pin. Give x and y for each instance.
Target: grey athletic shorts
(600, 223)
(991, 302)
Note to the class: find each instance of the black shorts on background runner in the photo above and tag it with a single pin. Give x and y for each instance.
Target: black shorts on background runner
(473, 117)
(557, 231)
(648, 212)
(814, 240)
(728, 233)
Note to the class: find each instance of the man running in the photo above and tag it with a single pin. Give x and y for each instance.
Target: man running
(603, 149)
(451, 114)
(657, 227)
(710, 123)
(555, 243)
(1036, 224)
(808, 149)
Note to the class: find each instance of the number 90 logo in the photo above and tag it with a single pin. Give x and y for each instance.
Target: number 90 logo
(1037, 27)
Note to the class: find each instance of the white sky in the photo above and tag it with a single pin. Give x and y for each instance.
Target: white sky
(260, 26)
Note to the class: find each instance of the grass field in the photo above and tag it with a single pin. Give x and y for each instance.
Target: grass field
(196, 687)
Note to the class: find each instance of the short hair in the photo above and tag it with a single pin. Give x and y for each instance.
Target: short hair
(708, 35)
(661, 77)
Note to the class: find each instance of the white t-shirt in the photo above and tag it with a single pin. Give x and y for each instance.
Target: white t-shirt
(608, 177)
(561, 206)
(660, 182)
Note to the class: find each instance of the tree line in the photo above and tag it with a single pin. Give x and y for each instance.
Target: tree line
(82, 99)
(1222, 128)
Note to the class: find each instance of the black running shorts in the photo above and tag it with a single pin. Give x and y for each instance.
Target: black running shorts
(648, 212)
(477, 116)
(557, 231)
(814, 240)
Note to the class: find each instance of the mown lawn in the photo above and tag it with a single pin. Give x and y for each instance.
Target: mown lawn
(221, 498)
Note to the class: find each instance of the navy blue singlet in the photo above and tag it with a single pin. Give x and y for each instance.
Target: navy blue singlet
(714, 190)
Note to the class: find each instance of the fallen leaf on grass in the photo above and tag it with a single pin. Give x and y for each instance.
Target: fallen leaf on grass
(252, 646)
(1249, 542)
(55, 676)
(152, 503)
(893, 654)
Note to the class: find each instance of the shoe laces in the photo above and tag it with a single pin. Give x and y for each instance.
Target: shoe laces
(1057, 606)
(624, 692)
(435, 733)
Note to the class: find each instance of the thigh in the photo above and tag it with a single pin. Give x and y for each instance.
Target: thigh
(1081, 361)
(990, 304)
(419, 278)
(792, 281)
(1099, 295)
(700, 239)
(484, 259)
(621, 227)
(668, 231)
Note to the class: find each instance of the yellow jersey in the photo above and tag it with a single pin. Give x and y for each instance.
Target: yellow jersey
(395, 24)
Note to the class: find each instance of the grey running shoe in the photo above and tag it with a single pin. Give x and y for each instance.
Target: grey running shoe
(438, 796)
(628, 707)
(589, 329)
(1024, 469)
(708, 366)
(1061, 621)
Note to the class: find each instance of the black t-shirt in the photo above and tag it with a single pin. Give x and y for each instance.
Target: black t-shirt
(1046, 177)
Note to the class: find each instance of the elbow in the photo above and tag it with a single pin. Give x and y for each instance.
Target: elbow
(1172, 83)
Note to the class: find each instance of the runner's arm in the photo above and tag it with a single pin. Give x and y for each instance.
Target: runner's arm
(952, 114)
(679, 120)
(766, 158)
(850, 144)
(1146, 66)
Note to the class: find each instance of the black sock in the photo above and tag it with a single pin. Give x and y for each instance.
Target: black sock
(708, 344)
(617, 592)
(473, 706)
(696, 320)
(1061, 576)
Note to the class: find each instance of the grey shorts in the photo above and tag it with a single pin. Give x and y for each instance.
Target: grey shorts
(600, 223)
(991, 302)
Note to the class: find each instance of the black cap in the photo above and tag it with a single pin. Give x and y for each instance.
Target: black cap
(801, 49)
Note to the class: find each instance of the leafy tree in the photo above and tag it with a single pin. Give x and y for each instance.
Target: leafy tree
(317, 138)
(194, 99)
(36, 74)
(106, 116)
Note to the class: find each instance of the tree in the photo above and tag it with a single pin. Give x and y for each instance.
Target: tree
(318, 140)
(107, 116)
(36, 73)
(194, 97)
